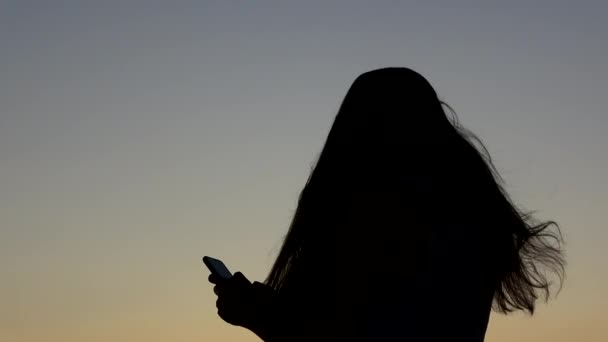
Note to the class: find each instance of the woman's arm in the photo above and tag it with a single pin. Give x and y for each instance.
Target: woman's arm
(270, 323)
(379, 239)
(273, 325)
(266, 322)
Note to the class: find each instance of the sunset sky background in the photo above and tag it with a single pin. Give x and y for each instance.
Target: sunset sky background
(136, 137)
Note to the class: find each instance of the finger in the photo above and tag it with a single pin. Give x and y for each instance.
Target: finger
(216, 290)
(224, 316)
(214, 278)
(220, 303)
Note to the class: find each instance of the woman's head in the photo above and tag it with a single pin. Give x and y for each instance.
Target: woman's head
(391, 132)
(385, 114)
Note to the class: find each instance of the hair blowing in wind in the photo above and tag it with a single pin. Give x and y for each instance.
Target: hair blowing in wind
(392, 132)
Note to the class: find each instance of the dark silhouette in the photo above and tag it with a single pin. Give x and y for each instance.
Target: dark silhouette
(403, 232)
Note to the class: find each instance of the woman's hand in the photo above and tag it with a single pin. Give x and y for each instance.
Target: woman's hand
(241, 303)
(234, 299)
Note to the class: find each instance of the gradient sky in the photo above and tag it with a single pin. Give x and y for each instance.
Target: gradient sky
(136, 137)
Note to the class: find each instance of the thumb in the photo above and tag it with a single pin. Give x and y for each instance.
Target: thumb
(238, 277)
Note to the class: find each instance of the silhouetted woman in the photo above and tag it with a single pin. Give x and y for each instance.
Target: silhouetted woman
(402, 232)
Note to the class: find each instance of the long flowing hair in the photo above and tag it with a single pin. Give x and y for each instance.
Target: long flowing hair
(391, 127)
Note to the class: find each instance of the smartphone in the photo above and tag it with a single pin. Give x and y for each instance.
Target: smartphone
(217, 267)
